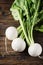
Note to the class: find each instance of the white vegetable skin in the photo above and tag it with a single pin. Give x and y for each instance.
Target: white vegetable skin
(35, 50)
(11, 33)
(18, 45)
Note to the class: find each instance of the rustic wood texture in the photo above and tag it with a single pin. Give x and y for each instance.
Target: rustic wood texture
(14, 58)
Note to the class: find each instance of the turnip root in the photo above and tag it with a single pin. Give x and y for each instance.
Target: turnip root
(11, 33)
(18, 45)
(35, 50)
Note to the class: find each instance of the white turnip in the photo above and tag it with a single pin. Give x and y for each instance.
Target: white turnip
(11, 33)
(18, 45)
(35, 49)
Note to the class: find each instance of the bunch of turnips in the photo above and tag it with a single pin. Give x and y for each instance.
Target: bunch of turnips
(19, 45)
(28, 13)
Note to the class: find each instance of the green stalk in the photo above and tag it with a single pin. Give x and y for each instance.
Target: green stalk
(22, 35)
(21, 23)
(29, 31)
(33, 23)
(28, 18)
(20, 32)
(19, 29)
(35, 16)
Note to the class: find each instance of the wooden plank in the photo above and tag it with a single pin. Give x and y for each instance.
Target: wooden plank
(14, 58)
(6, 1)
(20, 59)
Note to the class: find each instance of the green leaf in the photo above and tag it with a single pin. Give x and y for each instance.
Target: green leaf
(39, 28)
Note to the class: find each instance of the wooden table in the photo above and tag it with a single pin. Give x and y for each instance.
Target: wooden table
(14, 58)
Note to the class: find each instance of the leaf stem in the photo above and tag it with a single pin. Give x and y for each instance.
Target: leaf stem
(21, 23)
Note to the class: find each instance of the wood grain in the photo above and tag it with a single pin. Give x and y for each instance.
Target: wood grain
(14, 58)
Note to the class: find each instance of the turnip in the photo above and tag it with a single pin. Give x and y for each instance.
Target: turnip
(28, 14)
(35, 49)
(18, 45)
(11, 33)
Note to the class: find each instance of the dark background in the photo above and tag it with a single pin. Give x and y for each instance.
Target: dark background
(14, 58)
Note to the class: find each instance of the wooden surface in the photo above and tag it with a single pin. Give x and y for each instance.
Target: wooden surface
(14, 58)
